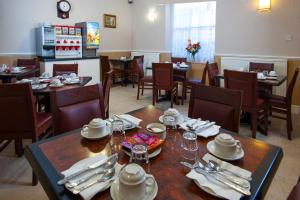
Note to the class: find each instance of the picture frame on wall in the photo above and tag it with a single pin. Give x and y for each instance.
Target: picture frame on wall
(110, 21)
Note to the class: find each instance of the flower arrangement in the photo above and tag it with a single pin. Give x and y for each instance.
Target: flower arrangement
(193, 48)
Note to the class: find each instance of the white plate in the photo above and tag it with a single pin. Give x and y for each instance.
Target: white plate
(39, 86)
(212, 149)
(151, 191)
(71, 82)
(153, 154)
(180, 119)
(56, 86)
(207, 190)
(86, 135)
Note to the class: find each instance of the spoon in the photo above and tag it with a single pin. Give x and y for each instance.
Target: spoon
(217, 167)
(105, 177)
(107, 166)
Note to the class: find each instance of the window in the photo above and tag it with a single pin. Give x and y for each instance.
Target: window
(194, 21)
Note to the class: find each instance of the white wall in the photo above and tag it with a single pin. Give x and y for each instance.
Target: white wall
(240, 29)
(18, 18)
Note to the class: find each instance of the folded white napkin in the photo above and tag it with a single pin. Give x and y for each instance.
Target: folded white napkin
(216, 187)
(96, 188)
(213, 130)
(130, 118)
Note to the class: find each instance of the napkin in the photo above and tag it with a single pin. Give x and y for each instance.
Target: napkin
(218, 188)
(96, 188)
(213, 130)
(130, 118)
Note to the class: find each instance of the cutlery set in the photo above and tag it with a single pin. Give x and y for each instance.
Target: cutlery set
(194, 127)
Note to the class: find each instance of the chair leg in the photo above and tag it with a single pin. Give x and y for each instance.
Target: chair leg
(183, 93)
(143, 87)
(289, 125)
(34, 179)
(138, 91)
(18, 147)
(266, 120)
(153, 97)
(132, 79)
(254, 124)
(172, 98)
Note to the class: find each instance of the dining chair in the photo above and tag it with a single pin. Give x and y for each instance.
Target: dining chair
(106, 91)
(32, 63)
(295, 193)
(212, 72)
(19, 119)
(118, 73)
(220, 105)
(260, 67)
(282, 105)
(60, 69)
(257, 107)
(133, 71)
(179, 75)
(163, 80)
(73, 108)
(144, 82)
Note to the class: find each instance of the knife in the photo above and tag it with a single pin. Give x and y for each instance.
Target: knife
(121, 118)
(85, 169)
(221, 180)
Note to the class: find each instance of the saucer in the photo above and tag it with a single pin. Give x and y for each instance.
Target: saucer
(180, 119)
(56, 86)
(72, 82)
(151, 155)
(151, 191)
(212, 149)
(97, 137)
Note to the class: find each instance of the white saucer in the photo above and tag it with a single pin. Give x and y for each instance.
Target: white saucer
(151, 155)
(207, 190)
(97, 137)
(56, 86)
(212, 149)
(72, 82)
(151, 191)
(180, 119)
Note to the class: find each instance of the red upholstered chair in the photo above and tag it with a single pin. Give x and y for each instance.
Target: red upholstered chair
(163, 80)
(260, 67)
(106, 90)
(216, 104)
(144, 82)
(30, 63)
(295, 193)
(73, 108)
(60, 69)
(247, 83)
(282, 105)
(19, 119)
(106, 67)
(133, 71)
(213, 71)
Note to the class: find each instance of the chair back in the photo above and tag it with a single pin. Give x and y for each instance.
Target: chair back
(245, 82)
(206, 101)
(73, 108)
(106, 90)
(289, 92)
(17, 116)
(177, 59)
(260, 67)
(140, 59)
(30, 63)
(138, 67)
(162, 75)
(105, 66)
(60, 69)
(213, 71)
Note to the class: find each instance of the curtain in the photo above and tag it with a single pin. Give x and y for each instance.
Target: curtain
(194, 21)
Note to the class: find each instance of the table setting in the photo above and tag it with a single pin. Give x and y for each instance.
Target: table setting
(265, 75)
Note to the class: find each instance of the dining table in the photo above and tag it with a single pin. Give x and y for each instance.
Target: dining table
(51, 156)
(124, 64)
(7, 77)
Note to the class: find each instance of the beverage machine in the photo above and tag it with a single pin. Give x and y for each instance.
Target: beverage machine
(45, 41)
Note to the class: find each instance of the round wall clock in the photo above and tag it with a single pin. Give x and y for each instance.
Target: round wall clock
(63, 9)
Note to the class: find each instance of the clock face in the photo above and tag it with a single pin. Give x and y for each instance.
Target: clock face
(64, 6)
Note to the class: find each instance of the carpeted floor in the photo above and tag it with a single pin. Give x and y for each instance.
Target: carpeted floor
(15, 173)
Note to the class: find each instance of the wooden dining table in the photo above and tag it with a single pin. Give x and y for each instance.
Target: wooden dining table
(51, 156)
(7, 77)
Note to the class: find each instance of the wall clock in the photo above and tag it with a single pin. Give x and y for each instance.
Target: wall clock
(63, 9)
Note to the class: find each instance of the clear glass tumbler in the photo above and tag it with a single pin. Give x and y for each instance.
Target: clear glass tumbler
(139, 155)
(117, 136)
(189, 147)
(170, 122)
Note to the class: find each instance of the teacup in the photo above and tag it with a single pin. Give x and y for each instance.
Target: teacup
(272, 73)
(133, 182)
(55, 81)
(226, 145)
(45, 75)
(260, 75)
(96, 127)
(172, 112)
(73, 76)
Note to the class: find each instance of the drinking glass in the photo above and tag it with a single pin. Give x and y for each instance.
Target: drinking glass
(189, 147)
(139, 155)
(117, 136)
(170, 121)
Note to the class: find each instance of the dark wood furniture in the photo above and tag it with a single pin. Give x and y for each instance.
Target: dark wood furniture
(144, 82)
(163, 80)
(260, 67)
(125, 65)
(220, 105)
(7, 77)
(295, 193)
(247, 83)
(106, 91)
(76, 107)
(106, 67)
(19, 119)
(30, 63)
(213, 71)
(132, 72)
(60, 69)
(47, 162)
(178, 75)
(282, 105)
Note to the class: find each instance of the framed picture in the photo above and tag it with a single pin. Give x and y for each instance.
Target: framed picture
(110, 21)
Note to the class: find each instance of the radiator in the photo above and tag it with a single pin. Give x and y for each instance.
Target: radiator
(149, 58)
(242, 63)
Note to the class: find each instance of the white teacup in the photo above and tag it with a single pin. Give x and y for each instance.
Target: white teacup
(260, 75)
(272, 73)
(55, 81)
(73, 76)
(133, 182)
(96, 127)
(226, 145)
(46, 75)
